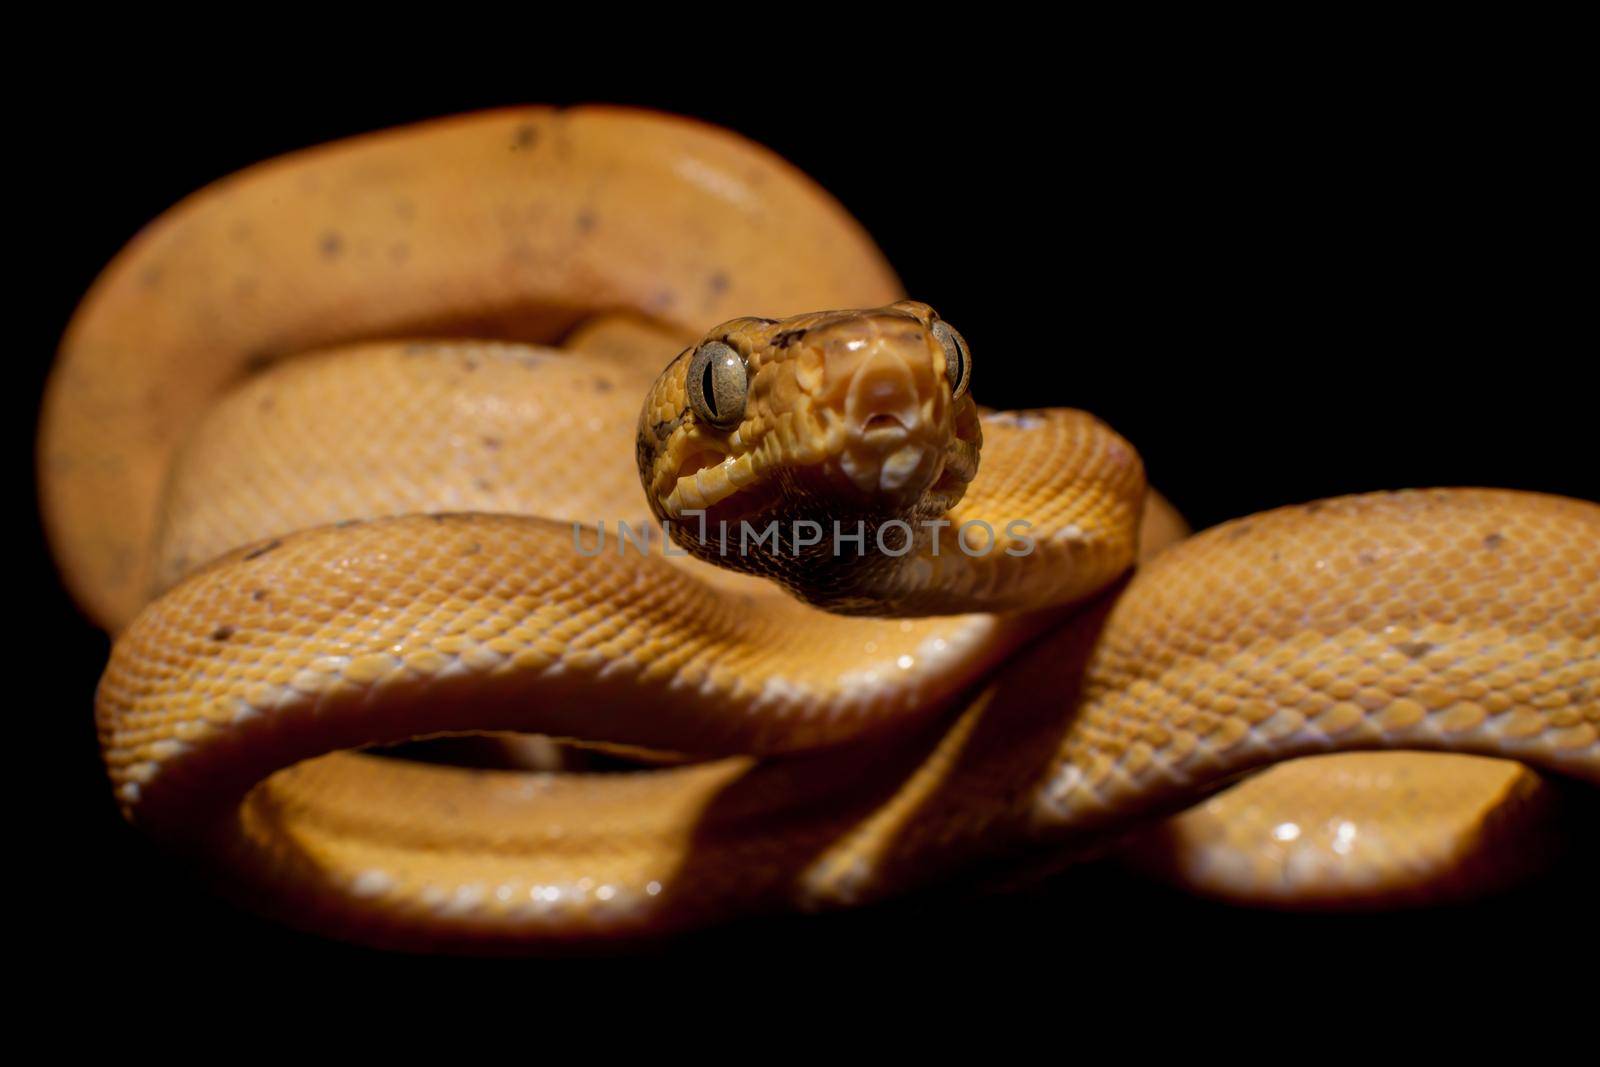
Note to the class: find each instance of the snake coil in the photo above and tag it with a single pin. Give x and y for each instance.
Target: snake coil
(304, 452)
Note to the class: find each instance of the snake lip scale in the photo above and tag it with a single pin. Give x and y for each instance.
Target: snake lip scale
(315, 444)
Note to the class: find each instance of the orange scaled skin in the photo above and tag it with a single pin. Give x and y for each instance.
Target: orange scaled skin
(1462, 620)
(516, 223)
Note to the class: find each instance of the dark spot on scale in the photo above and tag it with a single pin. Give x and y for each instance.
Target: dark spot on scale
(472, 549)
(663, 429)
(603, 385)
(258, 595)
(492, 443)
(525, 137)
(345, 524)
(1415, 649)
(663, 299)
(257, 553)
(150, 277)
(469, 365)
(222, 633)
(1366, 556)
(586, 221)
(257, 362)
(1494, 540)
(331, 245)
(718, 283)
(483, 484)
(267, 404)
(1237, 531)
(1315, 506)
(788, 337)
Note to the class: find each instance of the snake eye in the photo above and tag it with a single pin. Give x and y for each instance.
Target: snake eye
(957, 360)
(717, 384)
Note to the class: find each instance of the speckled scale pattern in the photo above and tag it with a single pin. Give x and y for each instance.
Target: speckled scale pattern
(1067, 746)
(421, 426)
(401, 627)
(1124, 713)
(845, 759)
(516, 223)
(1435, 619)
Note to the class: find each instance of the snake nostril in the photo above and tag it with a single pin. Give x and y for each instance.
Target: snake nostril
(883, 395)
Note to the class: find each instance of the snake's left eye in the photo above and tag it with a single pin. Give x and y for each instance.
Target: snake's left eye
(718, 384)
(957, 359)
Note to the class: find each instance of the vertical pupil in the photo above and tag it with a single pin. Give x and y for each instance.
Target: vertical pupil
(708, 389)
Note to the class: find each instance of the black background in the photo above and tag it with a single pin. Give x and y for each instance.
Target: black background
(1280, 280)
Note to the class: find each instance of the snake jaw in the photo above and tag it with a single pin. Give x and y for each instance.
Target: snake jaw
(707, 480)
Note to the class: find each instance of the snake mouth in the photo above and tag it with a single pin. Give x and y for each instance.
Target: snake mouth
(706, 478)
(884, 422)
(696, 462)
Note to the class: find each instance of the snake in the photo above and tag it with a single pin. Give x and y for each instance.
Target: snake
(346, 451)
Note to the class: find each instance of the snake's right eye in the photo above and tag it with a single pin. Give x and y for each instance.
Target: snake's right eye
(957, 360)
(718, 384)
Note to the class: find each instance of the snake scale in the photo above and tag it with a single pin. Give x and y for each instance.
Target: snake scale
(308, 453)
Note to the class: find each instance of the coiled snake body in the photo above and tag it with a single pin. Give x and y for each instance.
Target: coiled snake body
(374, 541)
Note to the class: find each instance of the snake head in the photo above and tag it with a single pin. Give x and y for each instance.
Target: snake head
(838, 415)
